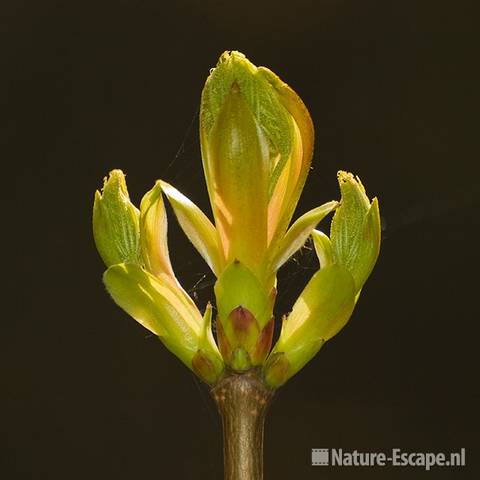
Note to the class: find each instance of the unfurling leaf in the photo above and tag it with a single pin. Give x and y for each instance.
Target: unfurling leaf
(257, 139)
(196, 226)
(321, 311)
(164, 308)
(153, 233)
(298, 233)
(323, 248)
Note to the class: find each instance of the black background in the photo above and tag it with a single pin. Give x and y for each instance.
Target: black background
(91, 86)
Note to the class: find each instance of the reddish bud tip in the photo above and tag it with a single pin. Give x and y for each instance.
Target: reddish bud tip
(242, 321)
(204, 368)
(264, 343)
(223, 343)
(276, 370)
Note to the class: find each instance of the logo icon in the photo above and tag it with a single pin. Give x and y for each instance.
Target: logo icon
(320, 456)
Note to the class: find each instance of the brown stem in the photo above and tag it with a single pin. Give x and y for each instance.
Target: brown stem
(242, 400)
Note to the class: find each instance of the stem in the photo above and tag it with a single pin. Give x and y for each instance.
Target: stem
(242, 400)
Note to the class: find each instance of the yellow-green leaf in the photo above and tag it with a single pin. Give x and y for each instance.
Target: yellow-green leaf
(238, 159)
(153, 232)
(323, 247)
(321, 311)
(207, 362)
(257, 140)
(298, 233)
(159, 304)
(196, 225)
(286, 190)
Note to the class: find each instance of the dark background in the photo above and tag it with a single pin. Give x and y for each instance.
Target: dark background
(91, 86)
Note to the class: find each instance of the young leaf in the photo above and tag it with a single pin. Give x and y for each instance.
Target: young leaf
(196, 225)
(298, 233)
(153, 233)
(238, 157)
(159, 304)
(321, 311)
(289, 185)
(323, 247)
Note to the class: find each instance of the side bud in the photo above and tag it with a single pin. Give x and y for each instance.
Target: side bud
(116, 222)
(355, 231)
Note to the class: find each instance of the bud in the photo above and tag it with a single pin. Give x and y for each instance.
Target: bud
(355, 230)
(326, 304)
(244, 311)
(141, 279)
(257, 139)
(116, 222)
(243, 324)
(240, 360)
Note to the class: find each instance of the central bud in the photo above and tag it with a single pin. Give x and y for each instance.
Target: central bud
(245, 317)
(256, 138)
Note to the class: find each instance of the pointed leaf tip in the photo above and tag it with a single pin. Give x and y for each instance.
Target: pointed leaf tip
(323, 248)
(298, 233)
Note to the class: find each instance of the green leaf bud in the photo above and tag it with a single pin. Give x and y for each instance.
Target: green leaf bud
(355, 230)
(244, 310)
(116, 222)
